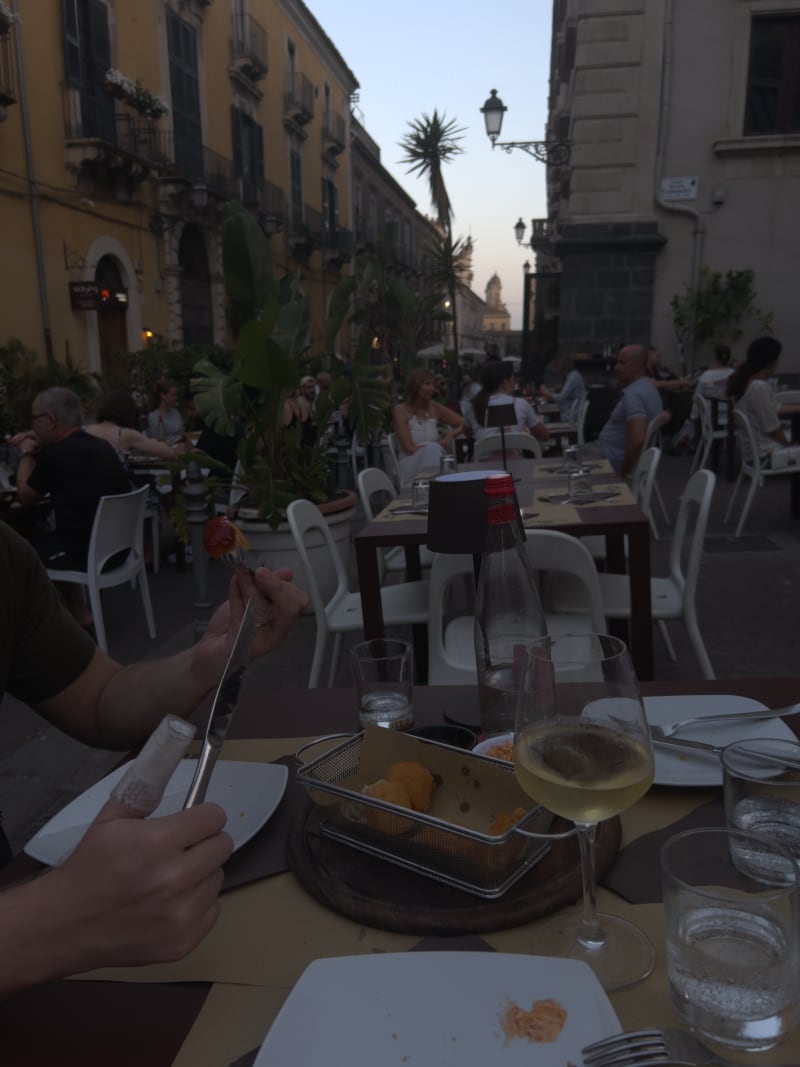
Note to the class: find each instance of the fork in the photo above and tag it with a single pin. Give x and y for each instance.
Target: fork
(670, 728)
(641, 1048)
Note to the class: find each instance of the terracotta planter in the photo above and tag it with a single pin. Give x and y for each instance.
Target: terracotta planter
(275, 548)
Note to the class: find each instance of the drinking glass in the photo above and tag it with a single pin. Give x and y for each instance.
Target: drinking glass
(582, 749)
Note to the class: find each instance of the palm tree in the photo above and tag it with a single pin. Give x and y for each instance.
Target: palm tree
(430, 143)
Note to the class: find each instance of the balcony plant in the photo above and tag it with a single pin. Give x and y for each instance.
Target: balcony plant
(271, 317)
(135, 94)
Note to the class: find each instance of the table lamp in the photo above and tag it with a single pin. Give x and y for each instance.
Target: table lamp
(502, 415)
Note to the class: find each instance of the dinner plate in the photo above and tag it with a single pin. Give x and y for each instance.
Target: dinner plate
(484, 747)
(442, 1008)
(249, 793)
(675, 766)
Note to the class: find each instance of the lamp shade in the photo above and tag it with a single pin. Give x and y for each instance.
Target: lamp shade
(492, 112)
(501, 413)
(457, 510)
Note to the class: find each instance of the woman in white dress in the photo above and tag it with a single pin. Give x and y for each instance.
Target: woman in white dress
(497, 379)
(754, 396)
(416, 424)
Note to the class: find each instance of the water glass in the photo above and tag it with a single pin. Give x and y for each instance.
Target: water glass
(733, 961)
(383, 675)
(447, 464)
(420, 491)
(761, 786)
(579, 483)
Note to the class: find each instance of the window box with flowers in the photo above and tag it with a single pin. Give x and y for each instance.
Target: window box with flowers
(134, 94)
(7, 17)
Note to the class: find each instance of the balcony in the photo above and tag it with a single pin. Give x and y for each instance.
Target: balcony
(306, 233)
(8, 91)
(542, 234)
(113, 152)
(183, 162)
(333, 134)
(337, 247)
(263, 198)
(248, 47)
(298, 101)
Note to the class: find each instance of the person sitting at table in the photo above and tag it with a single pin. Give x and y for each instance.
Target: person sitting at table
(165, 422)
(755, 397)
(117, 417)
(572, 388)
(416, 424)
(61, 460)
(134, 891)
(497, 387)
(623, 435)
(711, 382)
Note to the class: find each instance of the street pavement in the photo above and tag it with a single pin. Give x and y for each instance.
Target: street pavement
(748, 606)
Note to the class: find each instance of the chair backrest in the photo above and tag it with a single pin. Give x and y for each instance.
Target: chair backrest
(580, 421)
(654, 428)
(788, 396)
(695, 500)
(309, 530)
(443, 669)
(118, 525)
(575, 410)
(393, 449)
(371, 481)
(644, 477)
(552, 552)
(702, 409)
(516, 441)
(751, 460)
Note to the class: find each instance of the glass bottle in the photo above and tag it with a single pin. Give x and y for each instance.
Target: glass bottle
(508, 610)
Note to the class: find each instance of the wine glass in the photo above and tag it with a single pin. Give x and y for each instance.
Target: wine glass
(582, 749)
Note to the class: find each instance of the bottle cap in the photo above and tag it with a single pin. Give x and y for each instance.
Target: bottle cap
(499, 485)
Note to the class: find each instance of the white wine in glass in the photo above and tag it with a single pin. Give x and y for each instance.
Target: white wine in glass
(582, 749)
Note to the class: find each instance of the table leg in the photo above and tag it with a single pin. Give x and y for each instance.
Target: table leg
(795, 495)
(369, 585)
(641, 610)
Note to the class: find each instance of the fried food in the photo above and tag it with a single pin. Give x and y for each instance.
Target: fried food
(505, 820)
(391, 793)
(544, 1022)
(221, 537)
(417, 779)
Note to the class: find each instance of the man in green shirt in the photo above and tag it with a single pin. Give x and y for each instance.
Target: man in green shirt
(134, 891)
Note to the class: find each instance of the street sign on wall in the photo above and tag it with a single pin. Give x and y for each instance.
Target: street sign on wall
(84, 296)
(680, 188)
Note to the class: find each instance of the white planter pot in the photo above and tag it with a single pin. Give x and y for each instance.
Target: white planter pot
(275, 548)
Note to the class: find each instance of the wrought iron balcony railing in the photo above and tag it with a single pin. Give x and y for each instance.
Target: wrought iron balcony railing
(298, 98)
(249, 47)
(333, 135)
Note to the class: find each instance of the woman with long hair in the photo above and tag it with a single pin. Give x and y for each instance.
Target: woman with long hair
(754, 396)
(497, 381)
(117, 417)
(416, 424)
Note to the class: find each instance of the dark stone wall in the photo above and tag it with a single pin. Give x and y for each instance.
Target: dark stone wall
(607, 272)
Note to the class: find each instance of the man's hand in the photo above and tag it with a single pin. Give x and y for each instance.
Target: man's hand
(277, 606)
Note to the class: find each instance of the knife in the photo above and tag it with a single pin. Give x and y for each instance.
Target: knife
(682, 742)
(223, 706)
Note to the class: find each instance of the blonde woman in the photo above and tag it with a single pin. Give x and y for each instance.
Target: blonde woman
(416, 424)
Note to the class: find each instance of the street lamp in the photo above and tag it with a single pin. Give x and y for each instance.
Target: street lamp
(550, 152)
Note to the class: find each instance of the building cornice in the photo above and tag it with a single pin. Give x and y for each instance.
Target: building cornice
(297, 11)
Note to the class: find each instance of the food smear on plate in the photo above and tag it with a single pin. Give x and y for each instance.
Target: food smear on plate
(222, 537)
(543, 1023)
(503, 750)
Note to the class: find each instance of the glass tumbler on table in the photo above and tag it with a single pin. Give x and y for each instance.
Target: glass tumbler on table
(582, 749)
(383, 675)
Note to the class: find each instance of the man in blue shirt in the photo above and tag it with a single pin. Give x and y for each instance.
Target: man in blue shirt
(622, 437)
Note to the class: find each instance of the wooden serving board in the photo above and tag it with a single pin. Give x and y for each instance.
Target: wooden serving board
(373, 891)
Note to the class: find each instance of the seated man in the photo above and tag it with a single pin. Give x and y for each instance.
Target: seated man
(60, 460)
(622, 437)
(135, 890)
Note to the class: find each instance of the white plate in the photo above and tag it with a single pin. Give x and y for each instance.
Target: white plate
(482, 747)
(249, 793)
(687, 767)
(433, 1009)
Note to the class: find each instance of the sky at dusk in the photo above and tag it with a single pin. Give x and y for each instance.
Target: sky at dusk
(414, 56)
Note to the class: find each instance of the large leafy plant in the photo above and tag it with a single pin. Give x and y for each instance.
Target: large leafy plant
(270, 358)
(718, 308)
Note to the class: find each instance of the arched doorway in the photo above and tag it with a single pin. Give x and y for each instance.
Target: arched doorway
(112, 319)
(196, 308)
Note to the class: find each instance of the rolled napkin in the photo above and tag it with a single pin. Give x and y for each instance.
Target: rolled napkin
(142, 786)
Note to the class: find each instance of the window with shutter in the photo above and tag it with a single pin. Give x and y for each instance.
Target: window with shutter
(185, 88)
(773, 82)
(99, 111)
(248, 155)
(72, 41)
(296, 187)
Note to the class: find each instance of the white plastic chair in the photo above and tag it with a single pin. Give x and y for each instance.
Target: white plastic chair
(673, 597)
(451, 645)
(580, 421)
(701, 410)
(405, 603)
(642, 483)
(751, 467)
(393, 448)
(651, 438)
(371, 481)
(515, 442)
(118, 525)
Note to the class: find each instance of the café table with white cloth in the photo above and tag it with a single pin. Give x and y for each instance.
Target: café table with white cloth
(537, 481)
(215, 1007)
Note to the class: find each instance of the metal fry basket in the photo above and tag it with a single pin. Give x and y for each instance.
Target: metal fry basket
(483, 864)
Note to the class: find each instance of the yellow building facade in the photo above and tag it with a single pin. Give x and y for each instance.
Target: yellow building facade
(126, 125)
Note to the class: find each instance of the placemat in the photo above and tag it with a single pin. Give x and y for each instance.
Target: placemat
(389, 515)
(378, 893)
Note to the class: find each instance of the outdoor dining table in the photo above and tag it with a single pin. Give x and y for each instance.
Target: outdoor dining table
(536, 480)
(214, 1008)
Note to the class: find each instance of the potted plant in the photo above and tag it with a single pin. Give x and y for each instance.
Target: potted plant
(272, 319)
